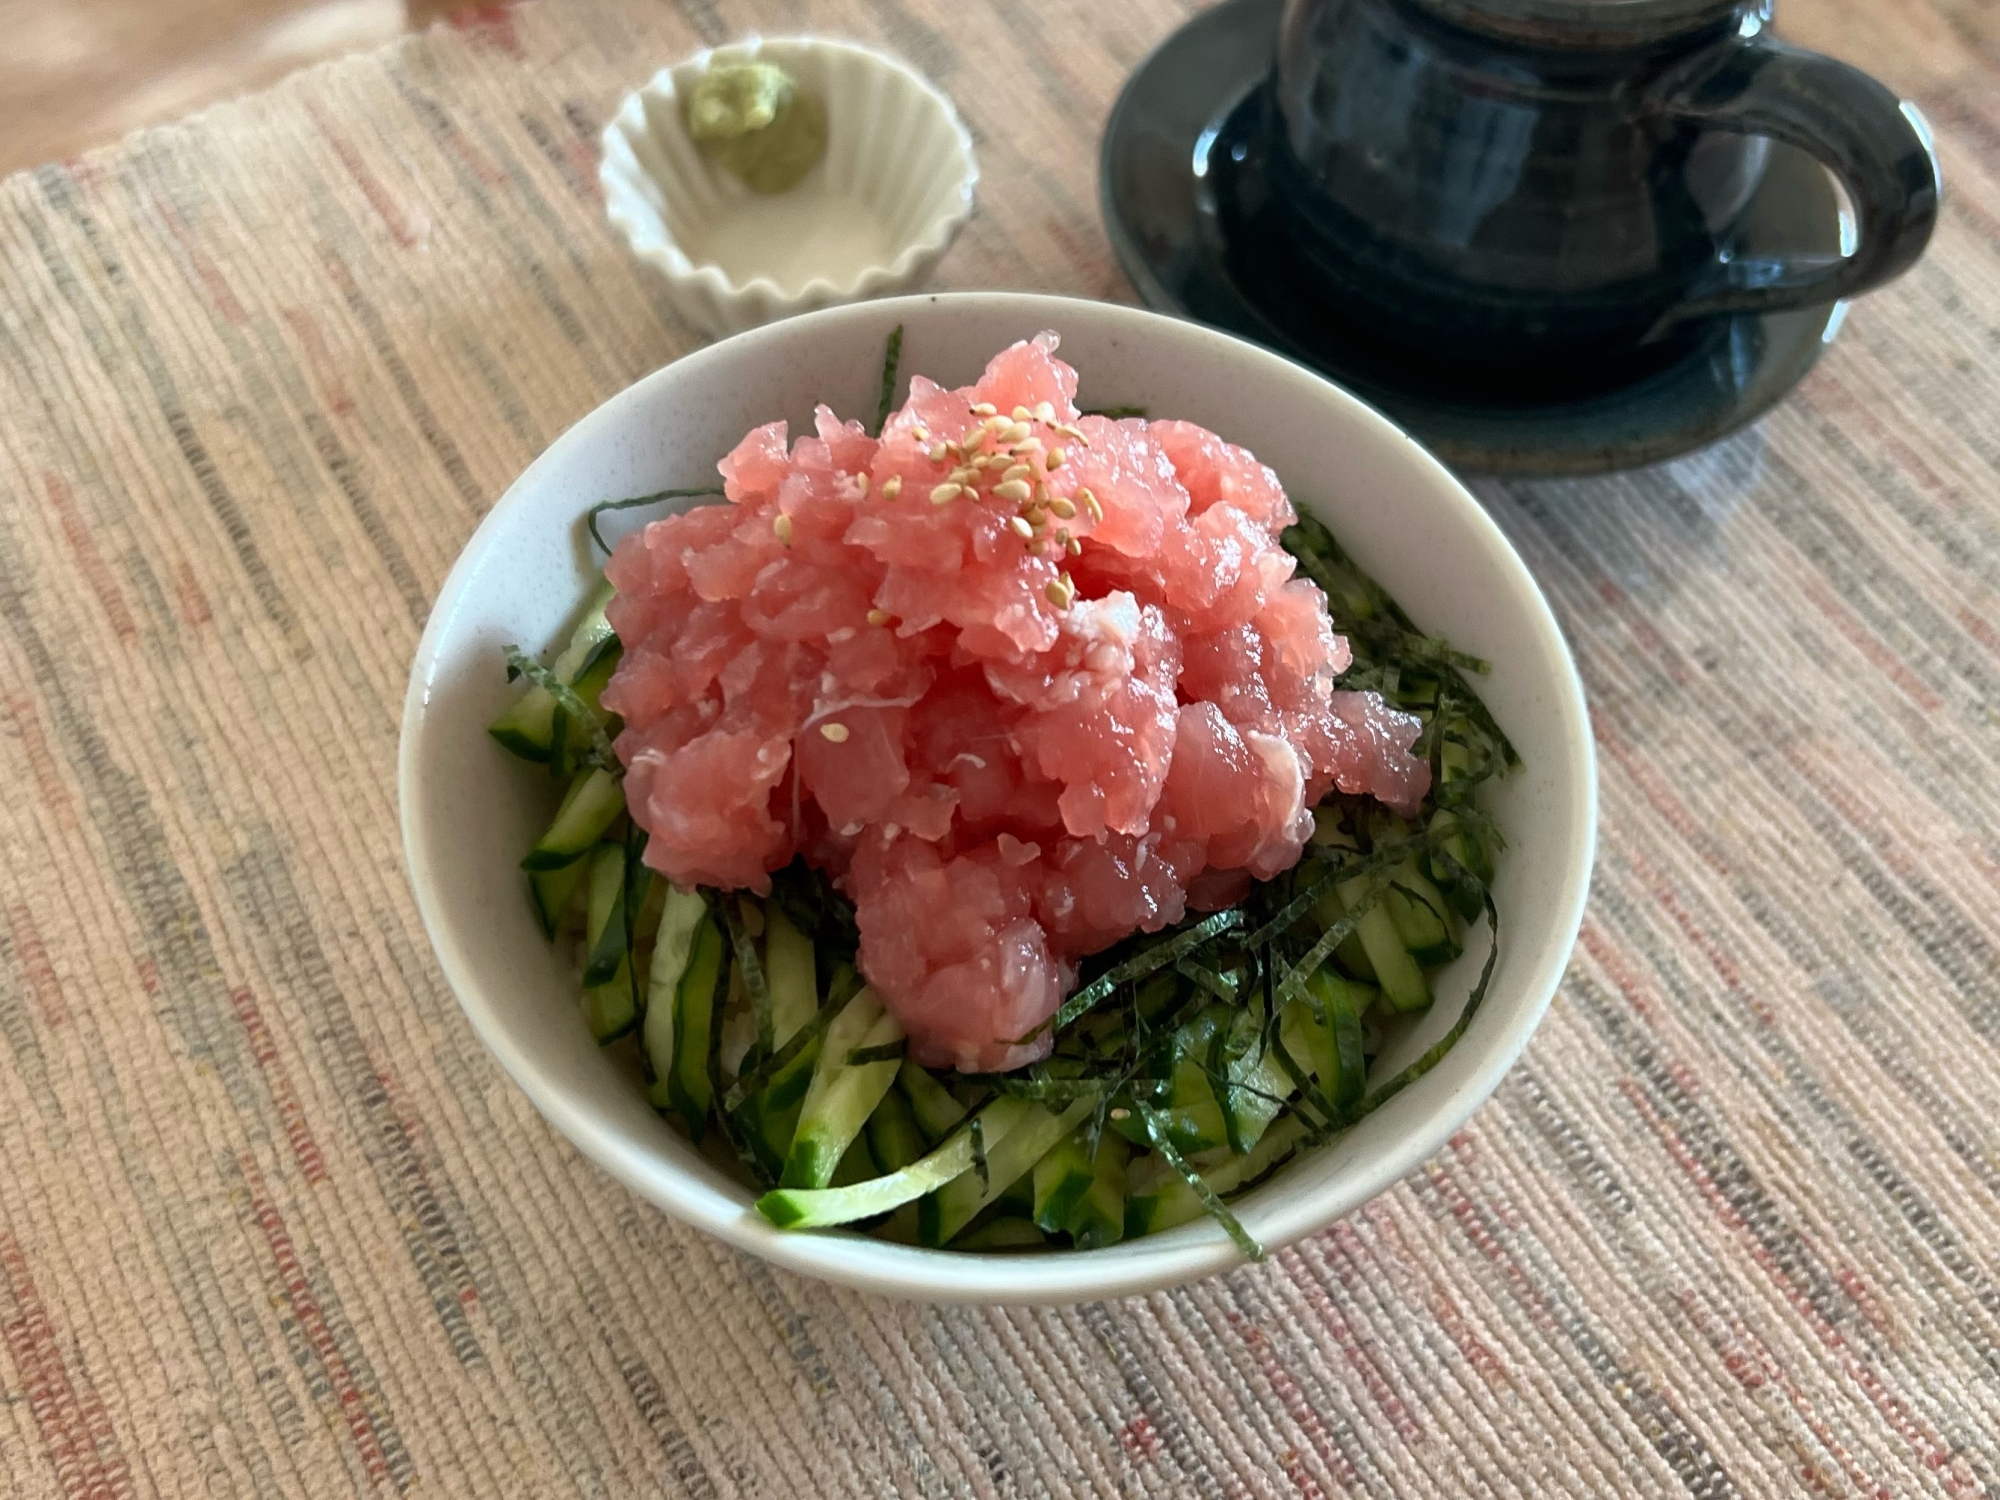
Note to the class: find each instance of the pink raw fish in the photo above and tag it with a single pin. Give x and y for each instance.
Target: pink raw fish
(1019, 708)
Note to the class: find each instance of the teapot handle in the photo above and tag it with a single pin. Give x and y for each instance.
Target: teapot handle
(1877, 146)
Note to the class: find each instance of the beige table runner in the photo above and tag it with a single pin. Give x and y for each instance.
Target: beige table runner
(272, 1223)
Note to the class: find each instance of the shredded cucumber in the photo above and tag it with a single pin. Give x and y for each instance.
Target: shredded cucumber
(842, 1094)
(1013, 1156)
(797, 1208)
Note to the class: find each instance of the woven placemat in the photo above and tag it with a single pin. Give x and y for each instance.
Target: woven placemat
(271, 1222)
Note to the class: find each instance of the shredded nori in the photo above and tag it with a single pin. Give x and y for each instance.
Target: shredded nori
(1217, 1210)
(892, 357)
(977, 1129)
(658, 497)
(886, 1052)
(755, 1077)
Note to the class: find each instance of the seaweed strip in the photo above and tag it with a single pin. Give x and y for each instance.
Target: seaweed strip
(892, 357)
(1142, 963)
(886, 1052)
(757, 1077)
(1217, 1210)
(658, 497)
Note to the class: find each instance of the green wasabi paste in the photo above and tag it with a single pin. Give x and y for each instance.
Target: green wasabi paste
(755, 121)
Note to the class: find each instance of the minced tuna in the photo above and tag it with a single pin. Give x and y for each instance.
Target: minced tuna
(1021, 681)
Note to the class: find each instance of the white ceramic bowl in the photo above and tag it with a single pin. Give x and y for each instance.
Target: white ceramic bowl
(469, 810)
(872, 218)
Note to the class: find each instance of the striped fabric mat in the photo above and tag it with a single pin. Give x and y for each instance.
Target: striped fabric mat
(272, 1223)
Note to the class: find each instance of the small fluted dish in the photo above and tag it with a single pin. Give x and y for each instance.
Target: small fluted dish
(874, 217)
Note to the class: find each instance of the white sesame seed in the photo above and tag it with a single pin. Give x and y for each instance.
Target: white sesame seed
(1021, 414)
(834, 732)
(1071, 544)
(1017, 471)
(1090, 504)
(1021, 527)
(1063, 509)
(1057, 457)
(985, 409)
(783, 527)
(878, 617)
(964, 476)
(892, 486)
(921, 433)
(1017, 432)
(936, 453)
(862, 481)
(1044, 412)
(945, 493)
(996, 423)
(1014, 490)
(1060, 591)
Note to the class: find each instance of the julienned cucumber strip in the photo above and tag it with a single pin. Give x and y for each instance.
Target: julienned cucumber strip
(937, 1112)
(893, 1138)
(697, 999)
(671, 950)
(590, 808)
(611, 1008)
(1423, 920)
(1341, 1065)
(1008, 1233)
(1188, 1108)
(555, 892)
(1162, 1197)
(796, 1208)
(1062, 1177)
(789, 971)
(1358, 903)
(1260, 1083)
(616, 891)
(953, 1206)
(527, 726)
(1402, 981)
(1099, 1216)
(842, 1095)
(567, 748)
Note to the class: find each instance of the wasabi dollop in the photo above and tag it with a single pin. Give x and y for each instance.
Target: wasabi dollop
(754, 120)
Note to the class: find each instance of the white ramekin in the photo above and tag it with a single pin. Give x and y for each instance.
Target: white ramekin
(872, 218)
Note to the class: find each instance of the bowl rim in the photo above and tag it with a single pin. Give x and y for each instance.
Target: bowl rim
(1059, 1277)
(633, 218)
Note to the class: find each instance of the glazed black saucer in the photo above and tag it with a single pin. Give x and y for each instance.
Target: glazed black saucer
(1181, 148)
